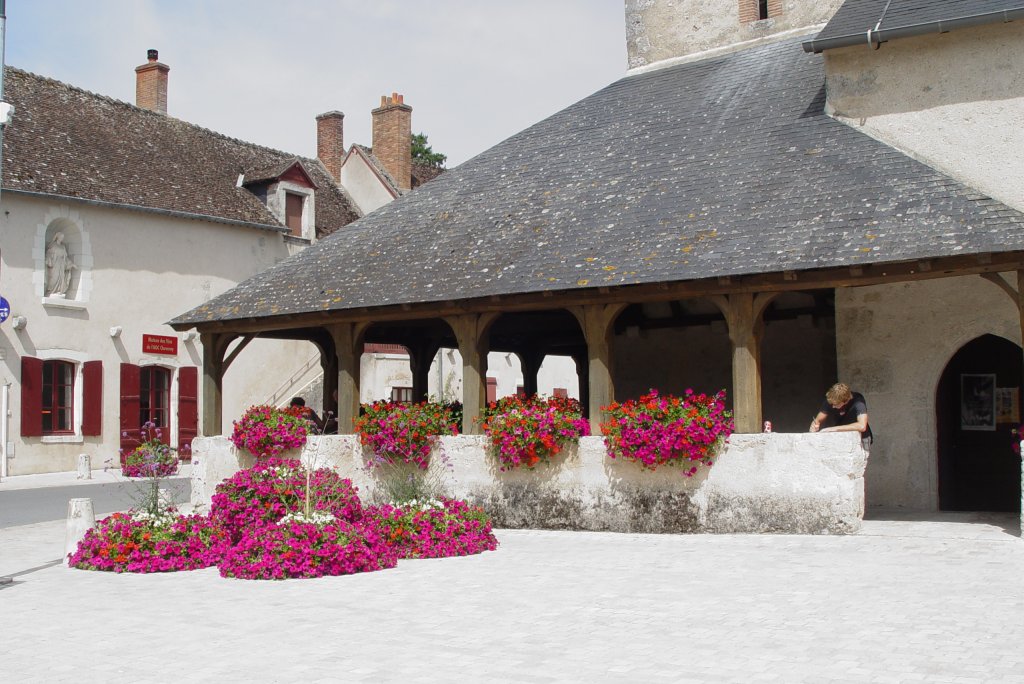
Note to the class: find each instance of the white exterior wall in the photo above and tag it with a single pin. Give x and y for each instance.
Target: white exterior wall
(663, 29)
(363, 184)
(954, 101)
(138, 271)
(380, 372)
(798, 483)
(894, 342)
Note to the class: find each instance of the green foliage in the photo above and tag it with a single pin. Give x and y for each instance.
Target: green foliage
(422, 153)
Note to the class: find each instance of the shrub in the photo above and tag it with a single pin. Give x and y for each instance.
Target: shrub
(141, 542)
(404, 433)
(305, 549)
(271, 489)
(526, 431)
(436, 528)
(655, 430)
(265, 431)
(151, 457)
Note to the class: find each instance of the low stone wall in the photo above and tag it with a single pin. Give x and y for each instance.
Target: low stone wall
(791, 483)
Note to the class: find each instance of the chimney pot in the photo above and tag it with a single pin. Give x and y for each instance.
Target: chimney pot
(152, 55)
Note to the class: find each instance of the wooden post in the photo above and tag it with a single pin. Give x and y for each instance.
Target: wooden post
(583, 375)
(213, 376)
(471, 332)
(348, 345)
(530, 360)
(420, 357)
(596, 321)
(744, 315)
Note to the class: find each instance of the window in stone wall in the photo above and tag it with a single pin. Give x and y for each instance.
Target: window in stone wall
(759, 10)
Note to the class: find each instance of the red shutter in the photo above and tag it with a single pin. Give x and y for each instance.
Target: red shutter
(92, 398)
(129, 409)
(31, 396)
(492, 389)
(188, 409)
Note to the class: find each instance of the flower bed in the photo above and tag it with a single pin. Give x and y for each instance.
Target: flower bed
(265, 431)
(655, 430)
(279, 520)
(404, 433)
(265, 493)
(525, 431)
(435, 529)
(306, 549)
(151, 458)
(143, 543)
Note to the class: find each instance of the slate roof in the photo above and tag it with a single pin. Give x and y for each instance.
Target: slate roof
(722, 167)
(850, 23)
(69, 142)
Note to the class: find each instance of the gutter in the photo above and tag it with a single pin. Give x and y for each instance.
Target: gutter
(148, 210)
(875, 36)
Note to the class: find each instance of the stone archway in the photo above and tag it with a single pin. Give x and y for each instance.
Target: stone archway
(977, 465)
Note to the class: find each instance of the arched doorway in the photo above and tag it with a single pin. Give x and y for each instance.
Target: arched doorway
(977, 407)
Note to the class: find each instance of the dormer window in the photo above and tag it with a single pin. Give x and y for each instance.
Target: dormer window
(293, 205)
(288, 192)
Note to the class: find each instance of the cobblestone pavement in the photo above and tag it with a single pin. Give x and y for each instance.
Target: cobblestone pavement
(904, 601)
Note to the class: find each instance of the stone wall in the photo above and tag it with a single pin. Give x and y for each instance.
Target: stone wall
(657, 30)
(893, 343)
(790, 483)
(953, 100)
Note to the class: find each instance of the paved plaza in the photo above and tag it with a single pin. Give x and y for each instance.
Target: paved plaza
(904, 601)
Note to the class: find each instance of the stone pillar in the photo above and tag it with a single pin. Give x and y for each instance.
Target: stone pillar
(596, 321)
(348, 345)
(213, 376)
(743, 313)
(81, 519)
(84, 467)
(471, 332)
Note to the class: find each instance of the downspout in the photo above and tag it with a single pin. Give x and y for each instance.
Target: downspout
(5, 392)
(5, 407)
(878, 25)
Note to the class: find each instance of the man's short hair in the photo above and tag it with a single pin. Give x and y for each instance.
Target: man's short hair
(838, 393)
(298, 401)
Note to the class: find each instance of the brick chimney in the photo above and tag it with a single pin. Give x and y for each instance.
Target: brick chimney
(392, 138)
(330, 142)
(151, 84)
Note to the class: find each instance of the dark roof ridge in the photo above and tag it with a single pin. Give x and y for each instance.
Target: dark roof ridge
(151, 113)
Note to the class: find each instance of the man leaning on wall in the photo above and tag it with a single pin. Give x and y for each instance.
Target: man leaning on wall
(844, 411)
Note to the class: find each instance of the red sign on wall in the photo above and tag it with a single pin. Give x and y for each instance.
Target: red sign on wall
(159, 344)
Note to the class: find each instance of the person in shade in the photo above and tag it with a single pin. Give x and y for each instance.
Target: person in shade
(306, 412)
(844, 411)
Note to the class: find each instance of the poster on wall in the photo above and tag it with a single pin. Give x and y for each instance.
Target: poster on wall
(1008, 405)
(978, 402)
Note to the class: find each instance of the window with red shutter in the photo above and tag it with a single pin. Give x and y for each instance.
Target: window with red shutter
(129, 409)
(155, 399)
(293, 212)
(31, 397)
(492, 389)
(92, 398)
(188, 408)
(58, 397)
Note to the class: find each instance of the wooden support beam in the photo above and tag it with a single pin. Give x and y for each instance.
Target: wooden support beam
(348, 345)
(1001, 283)
(471, 333)
(744, 314)
(213, 377)
(596, 322)
(238, 350)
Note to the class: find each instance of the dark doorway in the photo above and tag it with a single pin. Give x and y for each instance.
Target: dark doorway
(977, 409)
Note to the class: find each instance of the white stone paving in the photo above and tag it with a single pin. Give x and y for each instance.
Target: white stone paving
(904, 601)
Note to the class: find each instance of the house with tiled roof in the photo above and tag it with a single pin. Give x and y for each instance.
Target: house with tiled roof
(115, 217)
(762, 204)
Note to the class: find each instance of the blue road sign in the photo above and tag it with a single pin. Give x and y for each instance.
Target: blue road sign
(5, 309)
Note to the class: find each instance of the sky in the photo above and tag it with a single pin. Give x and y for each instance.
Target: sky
(474, 71)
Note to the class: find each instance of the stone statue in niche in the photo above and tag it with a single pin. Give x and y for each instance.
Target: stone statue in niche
(58, 267)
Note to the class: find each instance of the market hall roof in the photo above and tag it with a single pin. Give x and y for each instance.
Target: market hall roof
(65, 141)
(863, 22)
(722, 167)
